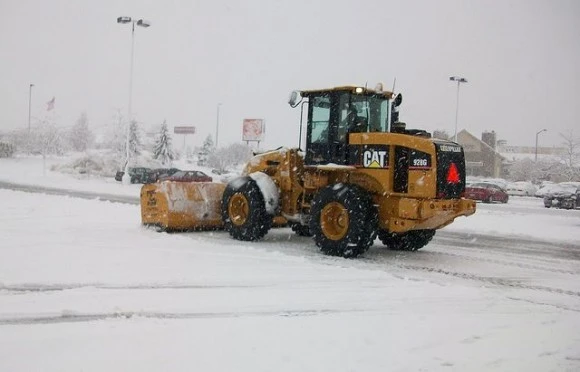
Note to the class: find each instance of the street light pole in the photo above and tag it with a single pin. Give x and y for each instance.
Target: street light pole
(126, 176)
(217, 125)
(459, 80)
(29, 105)
(537, 134)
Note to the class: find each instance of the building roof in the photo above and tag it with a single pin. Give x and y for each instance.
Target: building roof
(491, 149)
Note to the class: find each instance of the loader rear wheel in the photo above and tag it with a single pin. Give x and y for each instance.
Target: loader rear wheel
(343, 221)
(244, 211)
(408, 241)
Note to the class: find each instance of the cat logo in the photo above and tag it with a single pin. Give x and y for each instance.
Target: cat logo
(375, 159)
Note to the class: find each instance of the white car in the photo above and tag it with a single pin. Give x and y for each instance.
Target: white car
(522, 188)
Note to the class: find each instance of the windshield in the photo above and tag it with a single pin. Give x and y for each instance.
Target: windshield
(565, 188)
(360, 113)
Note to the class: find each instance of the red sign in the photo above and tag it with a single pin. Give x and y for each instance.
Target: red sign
(184, 130)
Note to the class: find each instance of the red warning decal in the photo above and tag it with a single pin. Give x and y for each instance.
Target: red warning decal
(453, 174)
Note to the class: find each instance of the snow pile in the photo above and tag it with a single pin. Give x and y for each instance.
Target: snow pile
(269, 191)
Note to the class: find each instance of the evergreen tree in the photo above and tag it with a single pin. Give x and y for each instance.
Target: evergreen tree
(162, 150)
(208, 144)
(135, 145)
(80, 136)
(206, 149)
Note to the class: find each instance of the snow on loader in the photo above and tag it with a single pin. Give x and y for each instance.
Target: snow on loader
(362, 175)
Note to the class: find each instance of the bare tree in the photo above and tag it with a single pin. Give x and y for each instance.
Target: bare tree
(49, 139)
(228, 157)
(80, 136)
(571, 155)
(116, 136)
(441, 134)
(523, 170)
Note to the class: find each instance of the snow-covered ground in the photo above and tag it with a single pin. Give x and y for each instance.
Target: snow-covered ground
(84, 287)
(521, 217)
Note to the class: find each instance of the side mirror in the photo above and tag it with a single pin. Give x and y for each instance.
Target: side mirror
(398, 100)
(294, 98)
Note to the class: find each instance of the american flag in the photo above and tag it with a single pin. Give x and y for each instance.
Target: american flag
(50, 104)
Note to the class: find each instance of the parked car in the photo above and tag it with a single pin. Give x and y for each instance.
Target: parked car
(486, 192)
(496, 181)
(546, 189)
(521, 188)
(138, 175)
(188, 176)
(159, 173)
(564, 196)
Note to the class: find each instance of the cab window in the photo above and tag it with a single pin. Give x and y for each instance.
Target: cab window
(320, 119)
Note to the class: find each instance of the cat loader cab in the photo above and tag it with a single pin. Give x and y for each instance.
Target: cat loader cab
(334, 114)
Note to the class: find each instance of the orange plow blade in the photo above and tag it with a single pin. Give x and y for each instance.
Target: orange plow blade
(182, 205)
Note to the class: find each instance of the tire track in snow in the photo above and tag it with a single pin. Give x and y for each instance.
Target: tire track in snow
(504, 282)
(31, 287)
(127, 315)
(510, 244)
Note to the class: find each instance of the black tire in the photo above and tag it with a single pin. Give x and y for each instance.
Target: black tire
(568, 204)
(489, 199)
(343, 220)
(408, 241)
(301, 230)
(244, 211)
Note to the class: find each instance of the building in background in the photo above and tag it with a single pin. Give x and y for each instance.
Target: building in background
(481, 157)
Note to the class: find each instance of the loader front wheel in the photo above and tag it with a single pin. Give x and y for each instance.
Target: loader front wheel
(244, 211)
(343, 221)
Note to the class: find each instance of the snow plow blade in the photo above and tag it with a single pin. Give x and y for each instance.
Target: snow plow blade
(172, 205)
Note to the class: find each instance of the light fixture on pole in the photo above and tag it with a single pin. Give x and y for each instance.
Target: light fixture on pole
(217, 125)
(29, 105)
(537, 134)
(142, 23)
(459, 80)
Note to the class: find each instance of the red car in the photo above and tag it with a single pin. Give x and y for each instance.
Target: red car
(188, 176)
(486, 192)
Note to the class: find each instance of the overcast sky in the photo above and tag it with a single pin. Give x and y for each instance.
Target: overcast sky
(521, 58)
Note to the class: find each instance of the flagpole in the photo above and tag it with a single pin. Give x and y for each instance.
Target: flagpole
(29, 105)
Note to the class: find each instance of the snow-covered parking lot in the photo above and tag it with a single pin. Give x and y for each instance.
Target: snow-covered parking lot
(84, 287)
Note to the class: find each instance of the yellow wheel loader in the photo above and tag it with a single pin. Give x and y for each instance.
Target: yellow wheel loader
(362, 175)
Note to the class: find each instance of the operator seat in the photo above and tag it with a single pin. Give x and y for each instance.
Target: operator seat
(359, 125)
